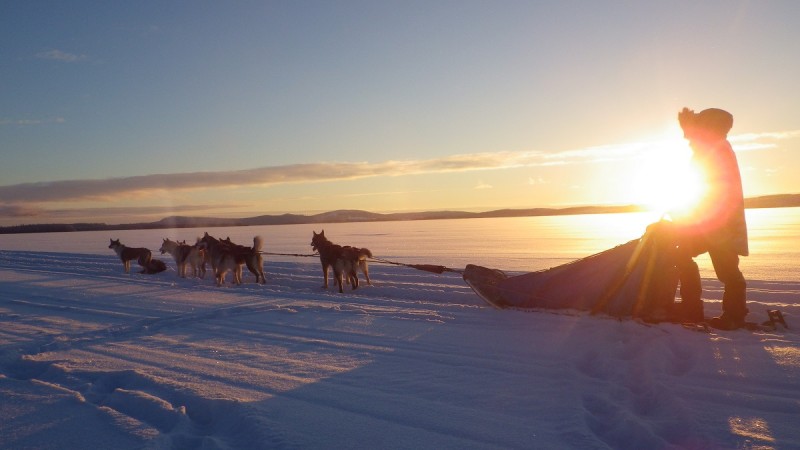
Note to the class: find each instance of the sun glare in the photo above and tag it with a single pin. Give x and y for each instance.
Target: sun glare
(665, 182)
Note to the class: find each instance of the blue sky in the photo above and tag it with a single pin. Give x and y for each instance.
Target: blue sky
(132, 111)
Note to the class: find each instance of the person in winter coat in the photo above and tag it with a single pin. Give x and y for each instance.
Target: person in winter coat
(717, 222)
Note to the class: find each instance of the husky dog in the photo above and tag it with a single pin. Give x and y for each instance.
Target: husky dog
(223, 261)
(226, 262)
(186, 256)
(128, 254)
(344, 260)
(154, 266)
(226, 256)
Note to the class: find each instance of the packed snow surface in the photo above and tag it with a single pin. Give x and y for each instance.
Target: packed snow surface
(91, 357)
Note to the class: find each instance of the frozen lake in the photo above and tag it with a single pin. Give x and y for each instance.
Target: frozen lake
(511, 244)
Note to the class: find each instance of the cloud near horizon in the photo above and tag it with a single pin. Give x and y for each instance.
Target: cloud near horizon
(15, 199)
(20, 211)
(30, 122)
(112, 188)
(760, 141)
(58, 55)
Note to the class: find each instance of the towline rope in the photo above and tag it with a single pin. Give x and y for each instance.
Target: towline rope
(433, 268)
(290, 254)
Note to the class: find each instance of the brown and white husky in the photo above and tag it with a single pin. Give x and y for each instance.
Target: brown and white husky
(229, 257)
(185, 256)
(139, 254)
(344, 260)
(228, 262)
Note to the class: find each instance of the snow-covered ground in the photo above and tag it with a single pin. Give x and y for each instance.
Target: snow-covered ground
(91, 357)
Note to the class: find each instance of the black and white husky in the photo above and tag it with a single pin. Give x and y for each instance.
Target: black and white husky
(141, 255)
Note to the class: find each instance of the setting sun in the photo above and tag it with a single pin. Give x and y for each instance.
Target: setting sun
(665, 181)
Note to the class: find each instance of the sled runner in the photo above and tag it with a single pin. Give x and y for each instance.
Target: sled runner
(633, 280)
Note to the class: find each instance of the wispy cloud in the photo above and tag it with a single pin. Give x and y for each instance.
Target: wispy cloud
(761, 141)
(134, 210)
(534, 181)
(107, 189)
(20, 211)
(146, 185)
(30, 122)
(61, 56)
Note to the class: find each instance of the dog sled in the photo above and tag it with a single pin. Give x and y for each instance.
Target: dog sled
(637, 279)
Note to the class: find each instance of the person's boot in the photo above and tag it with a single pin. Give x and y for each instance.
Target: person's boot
(691, 312)
(727, 321)
(734, 307)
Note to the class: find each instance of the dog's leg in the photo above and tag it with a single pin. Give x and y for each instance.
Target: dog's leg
(255, 265)
(325, 276)
(364, 268)
(337, 273)
(237, 275)
(127, 266)
(260, 266)
(353, 277)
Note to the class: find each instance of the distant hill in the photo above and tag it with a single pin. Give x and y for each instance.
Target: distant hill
(352, 215)
(773, 201)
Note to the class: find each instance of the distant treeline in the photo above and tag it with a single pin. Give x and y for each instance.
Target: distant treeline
(53, 227)
(769, 201)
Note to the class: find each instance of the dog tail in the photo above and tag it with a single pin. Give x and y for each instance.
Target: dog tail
(365, 252)
(258, 242)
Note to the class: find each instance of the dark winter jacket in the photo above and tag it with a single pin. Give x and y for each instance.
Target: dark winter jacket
(718, 219)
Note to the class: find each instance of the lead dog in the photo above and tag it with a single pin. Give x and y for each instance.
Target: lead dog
(185, 256)
(141, 255)
(344, 260)
(226, 256)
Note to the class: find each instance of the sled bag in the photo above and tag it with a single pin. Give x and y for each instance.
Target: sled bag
(635, 279)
